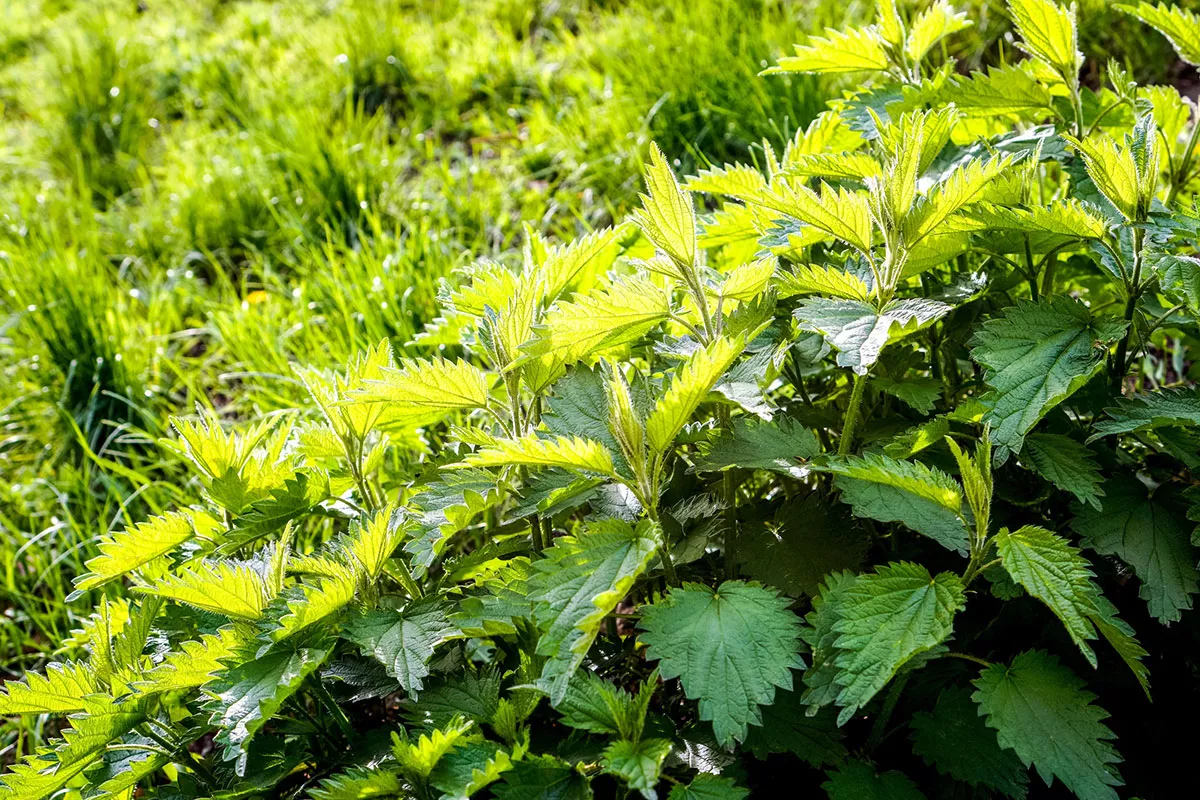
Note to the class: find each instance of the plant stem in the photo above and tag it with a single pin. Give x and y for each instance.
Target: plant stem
(1032, 274)
(1119, 366)
(971, 658)
(535, 531)
(335, 710)
(664, 553)
(1180, 178)
(856, 396)
(731, 531)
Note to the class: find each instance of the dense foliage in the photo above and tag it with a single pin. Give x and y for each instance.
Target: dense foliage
(851, 481)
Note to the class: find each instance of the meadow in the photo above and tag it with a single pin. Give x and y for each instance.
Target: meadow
(197, 198)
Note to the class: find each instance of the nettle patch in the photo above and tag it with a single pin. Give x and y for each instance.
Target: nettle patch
(707, 499)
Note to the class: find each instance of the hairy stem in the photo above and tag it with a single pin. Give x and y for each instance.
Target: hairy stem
(1119, 366)
(1180, 178)
(852, 411)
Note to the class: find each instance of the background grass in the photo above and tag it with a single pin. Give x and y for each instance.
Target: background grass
(195, 194)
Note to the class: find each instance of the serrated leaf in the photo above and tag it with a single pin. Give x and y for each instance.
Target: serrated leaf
(1048, 33)
(857, 780)
(576, 264)
(917, 392)
(827, 280)
(858, 332)
(595, 705)
(931, 26)
(468, 769)
(249, 695)
(886, 619)
(806, 542)
(820, 687)
(419, 392)
(1038, 354)
(638, 764)
(1042, 228)
(1180, 25)
(614, 315)
(1179, 277)
(222, 587)
(691, 384)
(418, 758)
(136, 546)
(303, 605)
(543, 778)
(1065, 463)
(1118, 634)
(577, 584)
(962, 186)
(708, 787)
(134, 759)
(448, 506)
(197, 662)
(1148, 535)
(63, 689)
(475, 696)
(1040, 709)
(564, 452)
(1112, 169)
(919, 497)
(781, 445)
(1165, 408)
(833, 166)
(299, 495)
(1000, 90)
(855, 50)
(837, 213)
(667, 216)
(1054, 572)
(731, 648)
(492, 614)
(360, 784)
(731, 180)
(403, 641)
(579, 407)
(954, 739)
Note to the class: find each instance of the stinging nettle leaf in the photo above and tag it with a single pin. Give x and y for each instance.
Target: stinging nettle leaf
(403, 641)
(667, 216)
(1166, 408)
(1151, 536)
(140, 544)
(1054, 572)
(731, 648)
(954, 739)
(856, 50)
(922, 498)
(577, 584)
(248, 696)
(1040, 710)
(1065, 463)
(1180, 25)
(858, 332)
(1038, 354)
(885, 619)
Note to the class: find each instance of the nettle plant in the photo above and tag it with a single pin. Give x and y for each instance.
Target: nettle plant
(704, 500)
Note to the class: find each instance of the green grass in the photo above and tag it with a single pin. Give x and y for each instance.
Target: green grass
(198, 194)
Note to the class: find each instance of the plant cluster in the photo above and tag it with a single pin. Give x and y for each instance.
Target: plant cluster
(710, 503)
